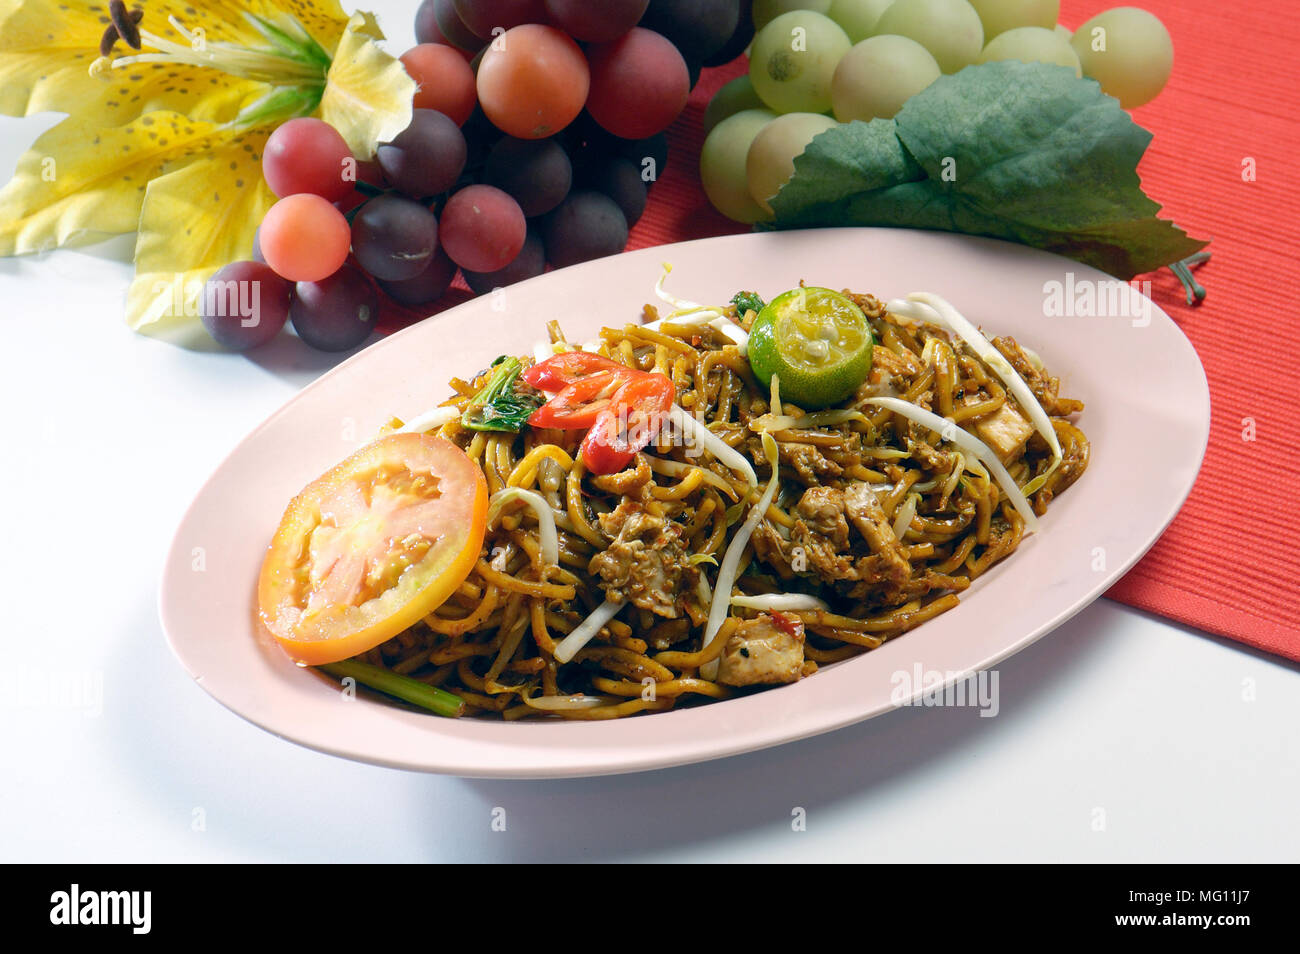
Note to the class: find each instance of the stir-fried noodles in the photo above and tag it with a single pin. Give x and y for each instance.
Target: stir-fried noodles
(596, 597)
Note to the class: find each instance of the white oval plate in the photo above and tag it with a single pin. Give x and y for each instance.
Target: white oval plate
(1147, 417)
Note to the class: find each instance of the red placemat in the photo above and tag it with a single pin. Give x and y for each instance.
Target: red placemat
(1230, 562)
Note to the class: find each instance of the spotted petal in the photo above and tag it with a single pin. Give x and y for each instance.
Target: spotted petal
(47, 46)
(194, 221)
(80, 181)
(367, 92)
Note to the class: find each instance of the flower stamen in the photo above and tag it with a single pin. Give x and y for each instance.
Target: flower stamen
(290, 60)
(123, 27)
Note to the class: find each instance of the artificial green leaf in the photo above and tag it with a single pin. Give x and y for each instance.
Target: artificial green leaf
(1020, 151)
(842, 166)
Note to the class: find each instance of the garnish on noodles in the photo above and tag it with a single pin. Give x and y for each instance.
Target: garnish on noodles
(664, 528)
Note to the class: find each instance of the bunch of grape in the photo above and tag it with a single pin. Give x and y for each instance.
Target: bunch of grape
(816, 63)
(538, 128)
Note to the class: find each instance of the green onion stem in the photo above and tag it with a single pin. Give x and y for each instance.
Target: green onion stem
(409, 690)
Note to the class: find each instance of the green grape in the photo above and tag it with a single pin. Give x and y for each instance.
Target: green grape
(722, 165)
(765, 11)
(878, 75)
(730, 99)
(949, 29)
(770, 162)
(858, 17)
(1032, 45)
(999, 16)
(1065, 33)
(1128, 51)
(793, 59)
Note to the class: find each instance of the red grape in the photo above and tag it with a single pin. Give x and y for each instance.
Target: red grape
(482, 228)
(445, 80)
(304, 238)
(337, 313)
(596, 22)
(530, 262)
(534, 82)
(308, 155)
(394, 238)
(245, 305)
(639, 84)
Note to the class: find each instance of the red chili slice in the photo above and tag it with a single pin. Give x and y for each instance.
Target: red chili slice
(792, 627)
(630, 422)
(568, 367)
(578, 404)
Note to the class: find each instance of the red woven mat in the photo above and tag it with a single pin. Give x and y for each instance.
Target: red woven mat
(1230, 561)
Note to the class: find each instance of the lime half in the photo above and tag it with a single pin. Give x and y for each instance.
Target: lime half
(817, 341)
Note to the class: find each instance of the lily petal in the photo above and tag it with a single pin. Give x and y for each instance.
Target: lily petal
(368, 93)
(47, 46)
(80, 181)
(194, 221)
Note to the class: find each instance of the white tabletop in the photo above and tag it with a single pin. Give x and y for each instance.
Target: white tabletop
(1119, 737)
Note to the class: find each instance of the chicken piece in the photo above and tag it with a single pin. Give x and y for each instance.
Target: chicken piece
(822, 508)
(869, 518)
(820, 539)
(1005, 430)
(763, 651)
(647, 563)
(809, 462)
(773, 549)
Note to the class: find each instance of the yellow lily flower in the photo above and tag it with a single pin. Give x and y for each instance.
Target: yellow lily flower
(166, 137)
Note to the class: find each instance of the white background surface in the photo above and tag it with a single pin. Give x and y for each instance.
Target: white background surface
(1178, 746)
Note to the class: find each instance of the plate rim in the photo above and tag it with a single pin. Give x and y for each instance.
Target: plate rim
(650, 761)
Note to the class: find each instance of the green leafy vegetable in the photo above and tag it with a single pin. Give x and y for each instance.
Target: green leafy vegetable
(505, 402)
(1019, 151)
(747, 301)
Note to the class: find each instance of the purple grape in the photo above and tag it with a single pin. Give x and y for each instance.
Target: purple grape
(620, 179)
(336, 313)
(536, 173)
(596, 22)
(587, 144)
(529, 263)
(452, 27)
(427, 157)
(740, 39)
(394, 238)
(698, 28)
(245, 305)
(650, 156)
(586, 225)
(426, 23)
(257, 246)
(430, 285)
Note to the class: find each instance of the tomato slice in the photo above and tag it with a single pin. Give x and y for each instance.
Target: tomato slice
(372, 546)
(630, 422)
(578, 403)
(570, 366)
